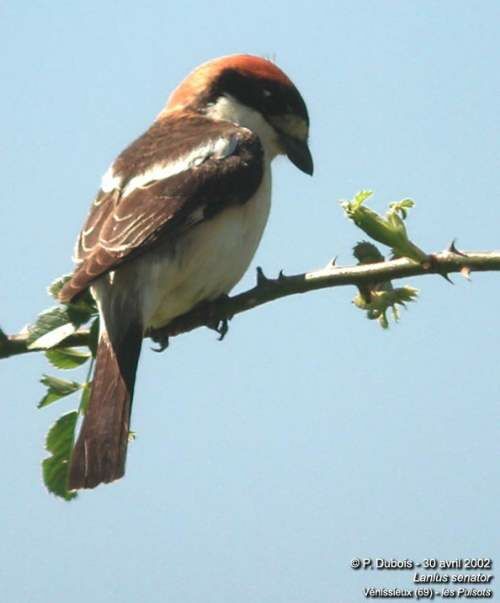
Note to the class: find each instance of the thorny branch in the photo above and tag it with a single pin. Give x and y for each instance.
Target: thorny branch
(216, 314)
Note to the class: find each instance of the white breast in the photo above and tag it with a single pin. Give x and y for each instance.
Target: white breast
(207, 261)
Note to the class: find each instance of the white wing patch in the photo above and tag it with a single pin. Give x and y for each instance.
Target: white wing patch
(220, 148)
(110, 181)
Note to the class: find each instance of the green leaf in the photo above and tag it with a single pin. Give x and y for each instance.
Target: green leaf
(85, 397)
(61, 386)
(389, 230)
(67, 358)
(381, 301)
(84, 299)
(367, 253)
(54, 325)
(57, 389)
(402, 207)
(59, 443)
(55, 321)
(55, 286)
(360, 198)
(94, 337)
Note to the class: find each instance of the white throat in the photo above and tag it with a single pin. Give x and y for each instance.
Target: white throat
(227, 108)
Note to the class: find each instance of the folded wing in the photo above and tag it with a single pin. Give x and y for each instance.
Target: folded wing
(179, 173)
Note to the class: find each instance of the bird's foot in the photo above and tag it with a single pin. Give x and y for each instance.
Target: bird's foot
(217, 324)
(161, 339)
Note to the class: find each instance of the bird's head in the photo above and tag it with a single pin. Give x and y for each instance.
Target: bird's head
(254, 93)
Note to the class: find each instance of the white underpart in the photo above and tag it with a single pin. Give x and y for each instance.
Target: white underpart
(208, 261)
(211, 257)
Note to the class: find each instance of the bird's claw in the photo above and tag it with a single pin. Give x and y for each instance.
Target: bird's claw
(162, 341)
(222, 328)
(219, 325)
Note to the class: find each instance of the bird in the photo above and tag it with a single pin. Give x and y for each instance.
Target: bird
(176, 222)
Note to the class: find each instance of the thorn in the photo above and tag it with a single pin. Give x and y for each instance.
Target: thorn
(281, 275)
(261, 277)
(465, 272)
(433, 264)
(446, 277)
(452, 249)
(333, 262)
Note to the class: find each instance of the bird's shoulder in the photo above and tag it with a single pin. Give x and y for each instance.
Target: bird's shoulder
(185, 135)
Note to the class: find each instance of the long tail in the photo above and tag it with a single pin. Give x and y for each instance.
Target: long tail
(100, 451)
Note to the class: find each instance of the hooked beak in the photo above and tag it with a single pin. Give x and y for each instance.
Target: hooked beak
(298, 152)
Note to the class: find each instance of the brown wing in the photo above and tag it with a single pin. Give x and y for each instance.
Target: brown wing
(125, 222)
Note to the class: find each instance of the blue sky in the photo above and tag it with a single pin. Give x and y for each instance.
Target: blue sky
(263, 464)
